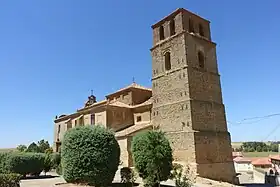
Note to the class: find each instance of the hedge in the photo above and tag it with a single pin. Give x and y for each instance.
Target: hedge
(89, 155)
(3, 162)
(25, 163)
(9, 180)
(152, 156)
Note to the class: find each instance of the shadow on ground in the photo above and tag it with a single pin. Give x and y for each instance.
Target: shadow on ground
(257, 185)
(40, 177)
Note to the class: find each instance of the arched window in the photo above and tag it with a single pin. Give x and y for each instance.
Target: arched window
(172, 27)
(191, 28)
(201, 59)
(201, 31)
(167, 61)
(161, 32)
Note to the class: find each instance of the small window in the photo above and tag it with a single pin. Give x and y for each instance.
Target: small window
(138, 119)
(123, 114)
(58, 130)
(200, 29)
(191, 28)
(201, 59)
(81, 121)
(76, 123)
(167, 61)
(92, 119)
(172, 27)
(161, 32)
(69, 125)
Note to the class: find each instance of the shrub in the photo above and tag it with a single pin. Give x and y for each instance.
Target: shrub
(9, 180)
(182, 179)
(59, 169)
(3, 162)
(47, 163)
(152, 156)
(26, 163)
(90, 155)
(56, 158)
(127, 175)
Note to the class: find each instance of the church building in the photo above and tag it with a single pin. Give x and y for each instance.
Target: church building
(185, 100)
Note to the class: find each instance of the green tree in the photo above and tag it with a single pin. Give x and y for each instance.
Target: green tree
(89, 155)
(21, 148)
(152, 156)
(33, 147)
(273, 147)
(43, 145)
(47, 163)
(259, 149)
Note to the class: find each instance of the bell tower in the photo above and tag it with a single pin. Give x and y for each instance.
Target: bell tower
(187, 97)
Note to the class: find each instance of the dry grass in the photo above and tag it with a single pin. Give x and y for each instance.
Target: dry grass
(7, 149)
(236, 144)
(258, 154)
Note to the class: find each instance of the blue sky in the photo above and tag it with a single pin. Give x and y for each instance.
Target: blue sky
(52, 53)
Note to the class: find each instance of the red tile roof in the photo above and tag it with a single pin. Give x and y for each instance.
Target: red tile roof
(275, 157)
(263, 161)
(133, 85)
(242, 160)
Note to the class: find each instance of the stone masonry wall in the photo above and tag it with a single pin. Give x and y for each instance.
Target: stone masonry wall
(140, 96)
(118, 118)
(187, 99)
(208, 116)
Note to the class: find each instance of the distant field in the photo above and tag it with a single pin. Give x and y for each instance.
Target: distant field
(236, 144)
(258, 154)
(6, 149)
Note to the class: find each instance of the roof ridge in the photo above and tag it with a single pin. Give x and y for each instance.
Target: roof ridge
(133, 85)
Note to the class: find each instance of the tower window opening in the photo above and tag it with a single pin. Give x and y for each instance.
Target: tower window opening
(161, 32)
(191, 27)
(200, 29)
(167, 61)
(172, 27)
(201, 59)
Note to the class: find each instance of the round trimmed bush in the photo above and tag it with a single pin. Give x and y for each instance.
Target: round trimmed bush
(89, 155)
(152, 156)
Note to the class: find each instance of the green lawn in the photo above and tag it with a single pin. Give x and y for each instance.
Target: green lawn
(258, 154)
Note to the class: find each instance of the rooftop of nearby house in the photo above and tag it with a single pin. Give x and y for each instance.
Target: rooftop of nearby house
(261, 161)
(256, 161)
(242, 160)
(275, 157)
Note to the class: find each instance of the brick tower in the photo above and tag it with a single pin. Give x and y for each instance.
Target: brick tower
(187, 97)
